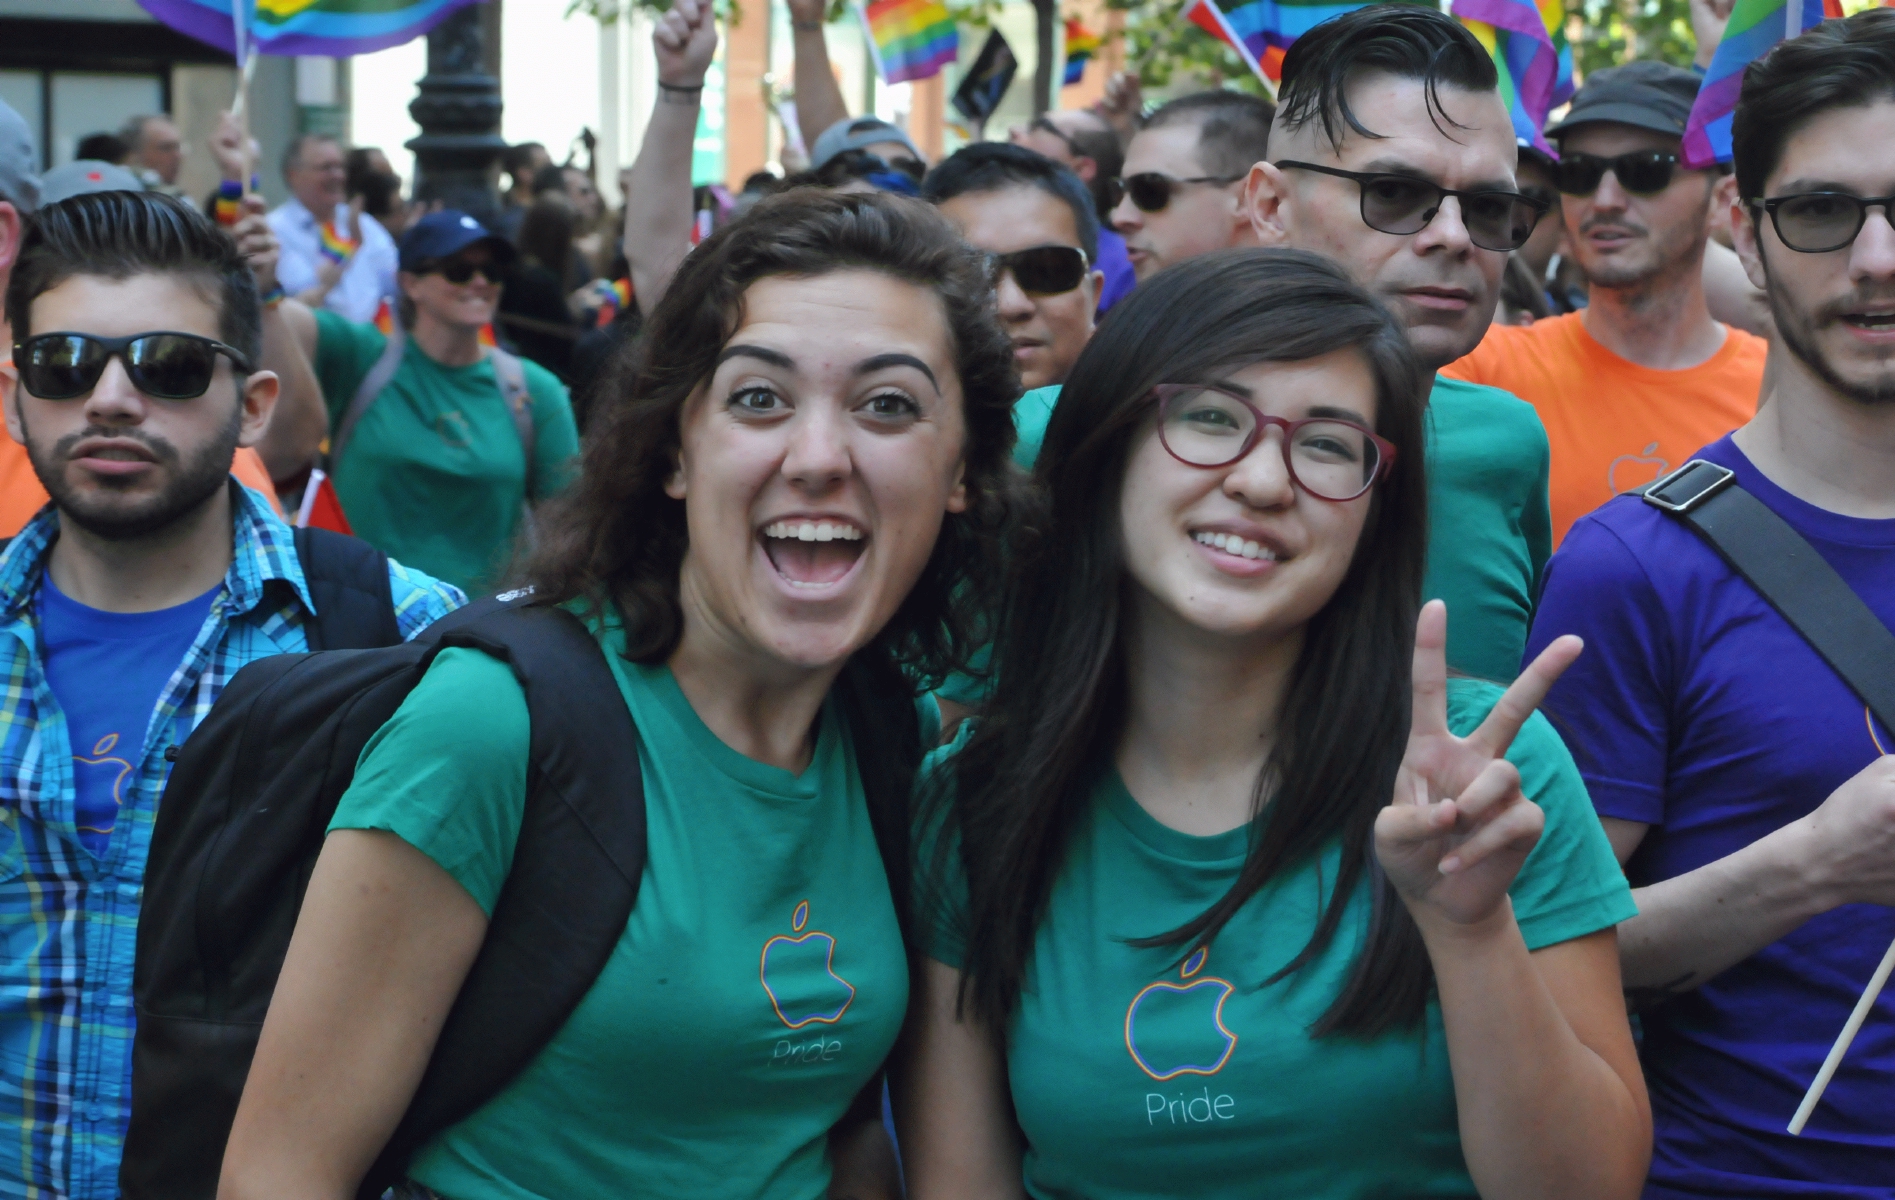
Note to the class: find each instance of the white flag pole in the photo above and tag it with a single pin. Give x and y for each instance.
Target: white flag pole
(1843, 1039)
(246, 62)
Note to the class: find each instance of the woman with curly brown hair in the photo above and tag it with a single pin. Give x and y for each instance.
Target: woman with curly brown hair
(788, 516)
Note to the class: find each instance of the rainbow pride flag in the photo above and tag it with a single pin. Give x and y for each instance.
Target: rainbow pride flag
(1261, 30)
(910, 39)
(1081, 45)
(331, 28)
(1754, 27)
(1529, 48)
(335, 245)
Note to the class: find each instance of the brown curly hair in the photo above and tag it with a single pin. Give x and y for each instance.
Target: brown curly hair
(616, 537)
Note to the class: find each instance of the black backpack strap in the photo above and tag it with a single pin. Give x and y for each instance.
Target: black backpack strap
(575, 874)
(348, 580)
(1788, 572)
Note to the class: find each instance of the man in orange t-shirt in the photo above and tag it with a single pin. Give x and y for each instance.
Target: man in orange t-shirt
(1631, 386)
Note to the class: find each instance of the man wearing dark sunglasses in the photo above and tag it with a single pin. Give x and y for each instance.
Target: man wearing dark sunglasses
(1644, 375)
(1035, 221)
(1745, 786)
(126, 606)
(1181, 192)
(1085, 143)
(439, 443)
(1403, 172)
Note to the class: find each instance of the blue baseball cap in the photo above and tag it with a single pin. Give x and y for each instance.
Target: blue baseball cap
(447, 232)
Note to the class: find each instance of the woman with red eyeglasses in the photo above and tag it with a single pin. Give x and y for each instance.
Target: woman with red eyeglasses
(1230, 891)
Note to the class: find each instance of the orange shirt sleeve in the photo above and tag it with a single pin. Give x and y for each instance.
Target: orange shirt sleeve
(21, 494)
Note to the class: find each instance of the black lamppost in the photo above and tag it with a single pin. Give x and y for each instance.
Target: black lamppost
(457, 156)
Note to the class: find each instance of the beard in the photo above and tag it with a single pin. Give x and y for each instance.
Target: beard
(1680, 250)
(116, 514)
(1799, 327)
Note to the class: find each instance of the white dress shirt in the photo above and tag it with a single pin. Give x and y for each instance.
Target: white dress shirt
(369, 276)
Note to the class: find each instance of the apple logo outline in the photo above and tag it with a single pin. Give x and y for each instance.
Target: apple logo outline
(1191, 966)
(1646, 457)
(102, 756)
(798, 919)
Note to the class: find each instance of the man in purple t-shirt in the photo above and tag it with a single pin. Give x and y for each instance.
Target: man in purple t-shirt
(1746, 789)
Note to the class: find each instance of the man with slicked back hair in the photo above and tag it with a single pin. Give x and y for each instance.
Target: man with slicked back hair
(1393, 154)
(1180, 192)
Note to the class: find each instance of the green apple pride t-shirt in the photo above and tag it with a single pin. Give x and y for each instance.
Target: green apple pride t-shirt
(1136, 1074)
(760, 982)
(1489, 529)
(434, 474)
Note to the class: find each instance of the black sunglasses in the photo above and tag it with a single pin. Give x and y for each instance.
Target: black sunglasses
(1042, 270)
(1404, 204)
(1642, 172)
(1818, 222)
(1151, 192)
(164, 365)
(458, 271)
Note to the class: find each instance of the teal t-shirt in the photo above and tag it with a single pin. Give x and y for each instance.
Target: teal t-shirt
(760, 982)
(1136, 1075)
(434, 475)
(1490, 531)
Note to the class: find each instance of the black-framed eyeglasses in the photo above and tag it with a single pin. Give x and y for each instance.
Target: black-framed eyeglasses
(458, 271)
(1203, 426)
(1818, 222)
(1151, 192)
(162, 364)
(1641, 172)
(1042, 270)
(1045, 124)
(1404, 204)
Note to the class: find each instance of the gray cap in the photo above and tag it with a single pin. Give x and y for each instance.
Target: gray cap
(19, 183)
(1644, 94)
(857, 133)
(86, 175)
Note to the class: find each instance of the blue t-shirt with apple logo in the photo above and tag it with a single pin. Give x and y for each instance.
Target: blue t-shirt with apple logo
(108, 671)
(760, 982)
(1135, 1074)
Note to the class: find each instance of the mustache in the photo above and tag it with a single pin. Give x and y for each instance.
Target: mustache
(1618, 223)
(1863, 297)
(163, 451)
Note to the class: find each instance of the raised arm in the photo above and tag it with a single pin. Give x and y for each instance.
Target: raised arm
(658, 195)
(300, 422)
(1551, 1102)
(953, 1110)
(819, 102)
(383, 942)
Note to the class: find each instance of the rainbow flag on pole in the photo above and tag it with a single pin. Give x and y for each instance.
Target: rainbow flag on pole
(331, 28)
(1754, 27)
(1528, 45)
(1081, 45)
(910, 39)
(1261, 30)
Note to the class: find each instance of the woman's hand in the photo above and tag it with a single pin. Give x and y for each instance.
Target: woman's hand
(1458, 828)
(684, 40)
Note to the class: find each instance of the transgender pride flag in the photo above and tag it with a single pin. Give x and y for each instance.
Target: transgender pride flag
(1754, 27)
(331, 28)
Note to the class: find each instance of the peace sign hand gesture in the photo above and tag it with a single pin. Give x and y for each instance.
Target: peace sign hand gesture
(1458, 828)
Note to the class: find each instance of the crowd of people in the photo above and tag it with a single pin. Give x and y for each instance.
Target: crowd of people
(1085, 608)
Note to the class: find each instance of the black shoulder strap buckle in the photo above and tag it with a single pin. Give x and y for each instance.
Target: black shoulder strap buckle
(1689, 486)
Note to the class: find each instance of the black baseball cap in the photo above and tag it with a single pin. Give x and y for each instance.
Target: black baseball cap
(1646, 95)
(440, 234)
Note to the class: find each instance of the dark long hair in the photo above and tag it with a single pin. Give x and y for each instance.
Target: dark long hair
(1020, 787)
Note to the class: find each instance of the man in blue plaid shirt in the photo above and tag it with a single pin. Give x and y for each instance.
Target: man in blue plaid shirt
(126, 605)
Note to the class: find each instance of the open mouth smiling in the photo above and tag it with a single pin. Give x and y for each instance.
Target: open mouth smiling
(813, 553)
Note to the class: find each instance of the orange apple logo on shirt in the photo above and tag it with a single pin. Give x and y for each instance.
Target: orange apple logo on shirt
(1174, 1029)
(119, 768)
(799, 976)
(1632, 471)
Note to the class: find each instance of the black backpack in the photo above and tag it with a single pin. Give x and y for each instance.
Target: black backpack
(243, 818)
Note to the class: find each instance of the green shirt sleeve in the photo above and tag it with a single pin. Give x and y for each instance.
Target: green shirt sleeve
(447, 773)
(1571, 884)
(345, 351)
(555, 433)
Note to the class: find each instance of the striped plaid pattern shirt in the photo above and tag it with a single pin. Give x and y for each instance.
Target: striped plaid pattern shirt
(67, 918)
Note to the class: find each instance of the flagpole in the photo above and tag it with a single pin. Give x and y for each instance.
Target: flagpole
(1843, 1039)
(240, 42)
